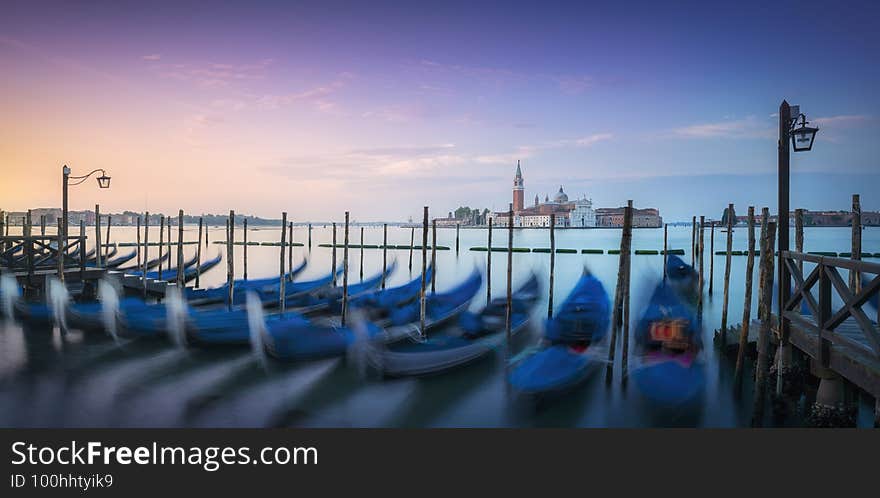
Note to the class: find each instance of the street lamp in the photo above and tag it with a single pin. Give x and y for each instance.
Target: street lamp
(801, 137)
(103, 182)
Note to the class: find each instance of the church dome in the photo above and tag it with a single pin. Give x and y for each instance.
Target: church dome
(560, 196)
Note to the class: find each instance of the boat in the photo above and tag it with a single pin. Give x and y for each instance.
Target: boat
(683, 279)
(220, 293)
(168, 274)
(215, 323)
(377, 305)
(440, 309)
(668, 342)
(474, 336)
(191, 272)
(294, 340)
(116, 262)
(329, 299)
(150, 265)
(568, 353)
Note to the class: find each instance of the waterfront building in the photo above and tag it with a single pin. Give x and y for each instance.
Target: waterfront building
(577, 213)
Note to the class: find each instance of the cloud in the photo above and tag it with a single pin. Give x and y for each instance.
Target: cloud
(213, 74)
(750, 127)
(151, 57)
(593, 139)
(842, 121)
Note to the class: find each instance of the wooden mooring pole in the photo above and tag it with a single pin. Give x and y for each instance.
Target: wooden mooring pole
(168, 249)
(457, 233)
(384, 252)
(747, 302)
(310, 236)
(361, 269)
(856, 253)
(244, 243)
(333, 256)
(621, 288)
(230, 263)
(282, 279)
(59, 254)
(180, 250)
(701, 272)
(290, 252)
(146, 251)
(82, 249)
(509, 309)
(799, 235)
(693, 241)
(199, 253)
(552, 264)
(665, 248)
(423, 297)
(412, 241)
(98, 247)
(627, 229)
(489, 266)
(433, 254)
(726, 298)
(345, 271)
(764, 313)
(162, 243)
(711, 257)
(138, 234)
(107, 239)
(42, 225)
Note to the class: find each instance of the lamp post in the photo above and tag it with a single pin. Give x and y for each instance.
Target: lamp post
(103, 182)
(801, 138)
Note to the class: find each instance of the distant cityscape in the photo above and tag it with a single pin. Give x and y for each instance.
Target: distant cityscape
(577, 213)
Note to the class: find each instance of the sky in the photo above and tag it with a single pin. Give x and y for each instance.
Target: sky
(380, 108)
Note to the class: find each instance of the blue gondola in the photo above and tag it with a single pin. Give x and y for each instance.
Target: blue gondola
(668, 343)
(293, 340)
(473, 337)
(379, 304)
(568, 356)
(440, 307)
(221, 293)
(220, 326)
(150, 264)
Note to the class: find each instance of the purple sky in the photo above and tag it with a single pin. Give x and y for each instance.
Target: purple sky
(380, 108)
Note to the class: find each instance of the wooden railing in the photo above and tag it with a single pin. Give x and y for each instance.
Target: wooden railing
(826, 320)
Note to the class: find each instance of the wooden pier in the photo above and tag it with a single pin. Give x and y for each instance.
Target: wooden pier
(844, 340)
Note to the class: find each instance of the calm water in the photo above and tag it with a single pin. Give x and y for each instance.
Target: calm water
(47, 379)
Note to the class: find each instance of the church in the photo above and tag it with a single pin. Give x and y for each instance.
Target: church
(578, 213)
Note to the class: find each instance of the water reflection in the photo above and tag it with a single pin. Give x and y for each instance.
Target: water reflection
(84, 379)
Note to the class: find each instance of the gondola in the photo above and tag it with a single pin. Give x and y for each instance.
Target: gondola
(221, 293)
(568, 354)
(293, 340)
(169, 273)
(668, 370)
(229, 327)
(116, 262)
(216, 323)
(474, 336)
(150, 264)
(440, 308)
(379, 304)
(329, 299)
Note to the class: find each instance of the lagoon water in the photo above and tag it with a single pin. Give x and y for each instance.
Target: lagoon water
(85, 380)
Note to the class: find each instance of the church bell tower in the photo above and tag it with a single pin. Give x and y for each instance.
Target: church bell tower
(518, 190)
